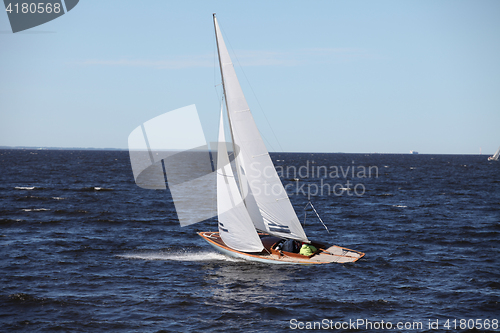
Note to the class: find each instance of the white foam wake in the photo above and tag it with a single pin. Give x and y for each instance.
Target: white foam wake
(178, 256)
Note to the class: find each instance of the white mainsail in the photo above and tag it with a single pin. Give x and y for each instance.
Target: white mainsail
(265, 198)
(496, 155)
(235, 226)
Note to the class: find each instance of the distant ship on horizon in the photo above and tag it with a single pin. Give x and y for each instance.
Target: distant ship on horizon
(413, 152)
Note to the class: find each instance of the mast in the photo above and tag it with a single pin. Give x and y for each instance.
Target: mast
(227, 108)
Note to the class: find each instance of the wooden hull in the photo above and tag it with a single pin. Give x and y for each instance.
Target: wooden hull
(324, 255)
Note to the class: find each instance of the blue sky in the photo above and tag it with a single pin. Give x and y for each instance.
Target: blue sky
(320, 76)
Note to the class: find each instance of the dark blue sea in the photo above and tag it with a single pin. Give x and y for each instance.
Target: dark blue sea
(84, 249)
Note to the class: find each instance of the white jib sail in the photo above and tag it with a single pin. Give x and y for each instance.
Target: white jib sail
(235, 226)
(277, 215)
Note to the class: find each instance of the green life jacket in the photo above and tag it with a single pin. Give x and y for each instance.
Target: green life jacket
(307, 250)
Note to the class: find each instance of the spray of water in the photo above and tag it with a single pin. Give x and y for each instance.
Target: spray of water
(178, 256)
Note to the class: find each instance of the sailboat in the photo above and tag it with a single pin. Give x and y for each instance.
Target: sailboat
(255, 215)
(495, 156)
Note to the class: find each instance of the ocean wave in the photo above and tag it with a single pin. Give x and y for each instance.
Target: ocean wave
(9, 221)
(31, 197)
(22, 297)
(95, 188)
(70, 212)
(34, 209)
(25, 299)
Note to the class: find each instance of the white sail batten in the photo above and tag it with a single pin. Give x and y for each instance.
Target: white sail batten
(262, 187)
(235, 226)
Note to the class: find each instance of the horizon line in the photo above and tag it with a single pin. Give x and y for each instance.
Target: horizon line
(273, 152)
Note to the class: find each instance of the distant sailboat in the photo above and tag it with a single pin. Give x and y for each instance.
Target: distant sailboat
(255, 214)
(495, 156)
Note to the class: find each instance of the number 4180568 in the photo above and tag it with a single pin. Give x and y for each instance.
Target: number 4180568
(471, 324)
(34, 8)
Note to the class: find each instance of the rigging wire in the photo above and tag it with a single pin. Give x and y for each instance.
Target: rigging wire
(314, 209)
